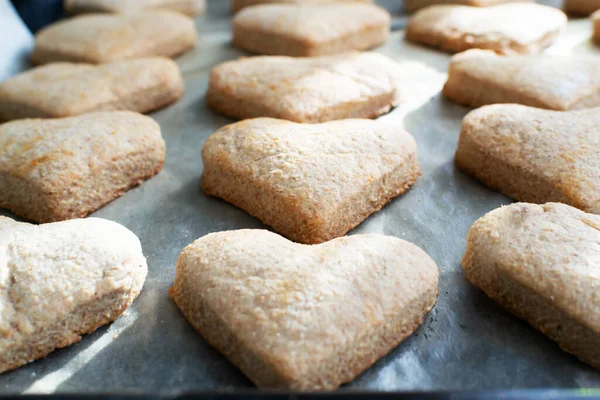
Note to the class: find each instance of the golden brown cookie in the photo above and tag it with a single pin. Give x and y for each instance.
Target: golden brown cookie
(303, 317)
(310, 182)
(188, 7)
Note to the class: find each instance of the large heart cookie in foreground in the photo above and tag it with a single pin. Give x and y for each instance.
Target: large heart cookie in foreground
(534, 155)
(317, 89)
(310, 182)
(66, 89)
(542, 263)
(101, 38)
(303, 317)
(188, 7)
(480, 77)
(309, 30)
(63, 168)
(62, 280)
(504, 28)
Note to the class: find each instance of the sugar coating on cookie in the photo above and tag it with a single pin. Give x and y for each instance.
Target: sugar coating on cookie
(101, 38)
(237, 5)
(61, 281)
(303, 317)
(310, 30)
(481, 77)
(188, 7)
(64, 168)
(317, 89)
(310, 182)
(541, 263)
(581, 7)
(534, 155)
(414, 5)
(67, 89)
(504, 28)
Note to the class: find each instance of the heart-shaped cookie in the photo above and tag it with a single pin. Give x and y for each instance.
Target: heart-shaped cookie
(62, 280)
(309, 30)
(102, 38)
(188, 7)
(310, 182)
(542, 263)
(414, 5)
(534, 155)
(504, 28)
(303, 317)
(480, 77)
(63, 168)
(316, 89)
(66, 89)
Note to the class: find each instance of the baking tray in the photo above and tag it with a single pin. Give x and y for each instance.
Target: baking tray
(466, 343)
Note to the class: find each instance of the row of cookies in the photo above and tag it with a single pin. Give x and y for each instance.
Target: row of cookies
(384, 157)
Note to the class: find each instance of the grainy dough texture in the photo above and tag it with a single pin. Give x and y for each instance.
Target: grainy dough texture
(414, 5)
(57, 169)
(542, 263)
(309, 30)
(188, 7)
(237, 5)
(303, 317)
(310, 182)
(102, 38)
(534, 155)
(480, 77)
(353, 85)
(61, 281)
(596, 26)
(582, 7)
(504, 28)
(67, 89)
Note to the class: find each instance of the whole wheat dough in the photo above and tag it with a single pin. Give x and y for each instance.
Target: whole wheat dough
(67, 89)
(303, 317)
(309, 30)
(188, 7)
(310, 182)
(317, 89)
(542, 263)
(512, 28)
(57, 169)
(61, 281)
(534, 155)
(481, 77)
(102, 38)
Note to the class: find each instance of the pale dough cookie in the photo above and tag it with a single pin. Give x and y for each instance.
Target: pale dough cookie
(480, 77)
(596, 23)
(513, 28)
(310, 30)
(582, 7)
(188, 7)
(318, 89)
(237, 5)
(101, 38)
(534, 155)
(542, 263)
(57, 169)
(66, 89)
(310, 182)
(61, 281)
(414, 5)
(303, 317)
